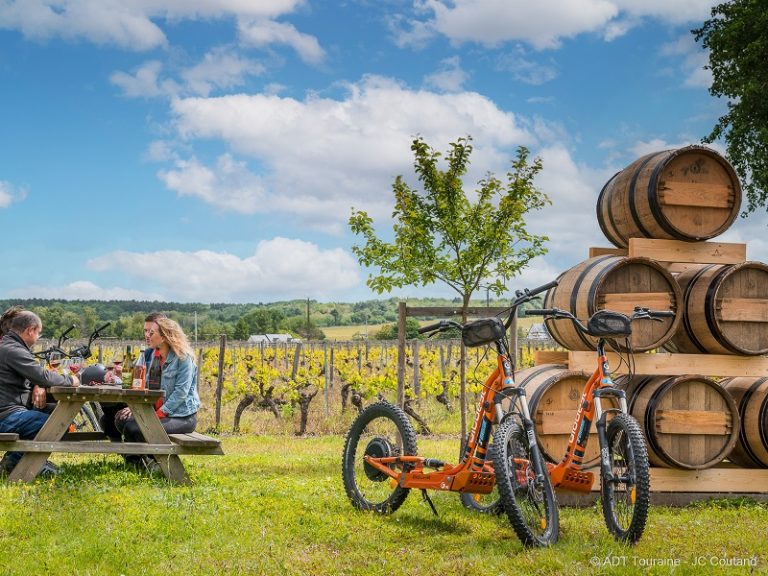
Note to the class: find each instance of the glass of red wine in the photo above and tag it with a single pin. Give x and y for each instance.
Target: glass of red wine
(75, 363)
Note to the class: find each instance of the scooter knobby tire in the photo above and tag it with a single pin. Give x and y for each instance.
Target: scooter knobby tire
(626, 512)
(530, 506)
(359, 482)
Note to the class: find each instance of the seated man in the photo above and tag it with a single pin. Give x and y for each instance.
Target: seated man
(19, 372)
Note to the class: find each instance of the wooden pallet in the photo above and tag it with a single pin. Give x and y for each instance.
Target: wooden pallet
(674, 487)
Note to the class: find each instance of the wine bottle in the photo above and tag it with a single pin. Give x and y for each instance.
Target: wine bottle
(139, 373)
(155, 372)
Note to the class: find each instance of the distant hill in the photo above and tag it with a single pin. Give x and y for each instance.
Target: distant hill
(235, 320)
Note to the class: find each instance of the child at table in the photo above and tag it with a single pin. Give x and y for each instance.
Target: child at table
(178, 410)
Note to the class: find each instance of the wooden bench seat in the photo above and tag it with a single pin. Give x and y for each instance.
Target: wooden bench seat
(8, 437)
(194, 440)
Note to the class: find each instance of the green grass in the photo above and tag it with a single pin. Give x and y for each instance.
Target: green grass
(276, 505)
(348, 333)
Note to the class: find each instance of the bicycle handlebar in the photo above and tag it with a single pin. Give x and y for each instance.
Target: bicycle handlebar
(430, 328)
(440, 326)
(639, 313)
(521, 296)
(83, 351)
(540, 312)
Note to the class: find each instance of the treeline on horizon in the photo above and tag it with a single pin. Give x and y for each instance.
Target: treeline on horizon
(237, 321)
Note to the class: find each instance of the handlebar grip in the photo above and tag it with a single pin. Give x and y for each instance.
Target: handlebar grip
(102, 327)
(430, 328)
(543, 288)
(661, 314)
(540, 312)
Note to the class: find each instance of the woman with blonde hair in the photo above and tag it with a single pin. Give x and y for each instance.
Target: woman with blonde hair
(178, 410)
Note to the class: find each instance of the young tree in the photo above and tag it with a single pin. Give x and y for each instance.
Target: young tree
(443, 235)
(737, 38)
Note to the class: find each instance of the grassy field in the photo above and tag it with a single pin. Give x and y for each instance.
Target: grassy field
(276, 505)
(346, 333)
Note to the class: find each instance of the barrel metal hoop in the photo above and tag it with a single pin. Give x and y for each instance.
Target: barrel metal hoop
(709, 309)
(631, 197)
(761, 429)
(604, 201)
(653, 199)
(686, 317)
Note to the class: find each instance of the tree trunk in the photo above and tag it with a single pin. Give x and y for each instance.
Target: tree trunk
(444, 398)
(244, 403)
(463, 376)
(306, 395)
(345, 396)
(408, 408)
(357, 400)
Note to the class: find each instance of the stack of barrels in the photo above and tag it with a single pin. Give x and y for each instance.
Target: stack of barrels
(690, 421)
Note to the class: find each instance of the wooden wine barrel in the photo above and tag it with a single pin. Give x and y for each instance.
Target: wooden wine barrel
(724, 311)
(614, 283)
(751, 396)
(553, 394)
(688, 194)
(690, 422)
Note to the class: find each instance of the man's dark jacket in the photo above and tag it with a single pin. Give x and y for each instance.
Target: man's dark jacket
(19, 371)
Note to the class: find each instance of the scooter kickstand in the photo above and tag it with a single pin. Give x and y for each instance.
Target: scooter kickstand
(428, 500)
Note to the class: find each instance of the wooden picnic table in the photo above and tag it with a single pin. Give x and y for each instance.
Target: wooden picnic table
(54, 435)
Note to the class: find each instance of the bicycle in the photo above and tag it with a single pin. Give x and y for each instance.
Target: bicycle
(380, 464)
(624, 474)
(91, 412)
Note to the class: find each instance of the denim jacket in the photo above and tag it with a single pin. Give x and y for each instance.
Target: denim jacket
(179, 380)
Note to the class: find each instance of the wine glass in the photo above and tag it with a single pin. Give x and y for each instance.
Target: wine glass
(54, 361)
(75, 363)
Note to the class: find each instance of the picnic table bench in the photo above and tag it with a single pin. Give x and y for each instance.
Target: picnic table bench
(54, 435)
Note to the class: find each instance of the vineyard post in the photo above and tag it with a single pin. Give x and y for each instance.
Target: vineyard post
(199, 363)
(101, 355)
(333, 354)
(220, 379)
(401, 354)
(327, 373)
(296, 359)
(416, 372)
(359, 360)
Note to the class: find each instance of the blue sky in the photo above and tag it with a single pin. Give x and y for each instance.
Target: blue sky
(211, 150)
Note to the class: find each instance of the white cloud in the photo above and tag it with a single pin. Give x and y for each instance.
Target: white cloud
(279, 268)
(263, 32)
(571, 220)
(542, 24)
(230, 185)
(526, 70)
(692, 59)
(82, 290)
(449, 78)
(99, 21)
(144, 82)
(492, 22)
(10, 193)
(220, 69)
(125, 23)
(321, 156)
